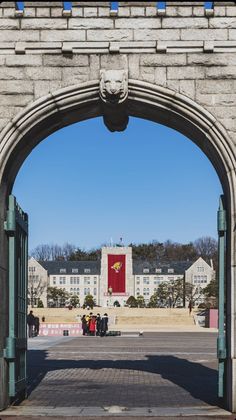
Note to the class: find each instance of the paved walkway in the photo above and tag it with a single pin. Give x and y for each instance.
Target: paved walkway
(155, 375)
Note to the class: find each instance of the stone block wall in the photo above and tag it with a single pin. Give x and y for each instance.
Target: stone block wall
(185, 50)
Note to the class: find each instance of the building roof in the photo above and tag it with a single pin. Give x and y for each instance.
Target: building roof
(94, 267)
(55, 267)
(179, 267)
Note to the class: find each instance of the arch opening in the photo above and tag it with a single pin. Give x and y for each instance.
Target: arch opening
(147, 101)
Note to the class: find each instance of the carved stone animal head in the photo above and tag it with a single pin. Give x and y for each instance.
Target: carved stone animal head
(113, 86)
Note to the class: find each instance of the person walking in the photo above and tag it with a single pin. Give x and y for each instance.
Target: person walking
(104, 325)
(30, 322)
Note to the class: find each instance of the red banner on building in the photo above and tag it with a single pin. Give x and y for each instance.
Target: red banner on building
(116, 273)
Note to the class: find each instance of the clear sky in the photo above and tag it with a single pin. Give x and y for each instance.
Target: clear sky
(87, 186)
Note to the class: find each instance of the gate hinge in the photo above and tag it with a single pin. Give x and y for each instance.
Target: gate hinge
(10, 351)
(221, 348)
(221, 221)
(10, 223)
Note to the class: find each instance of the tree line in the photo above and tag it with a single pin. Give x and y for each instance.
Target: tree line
(164, 252)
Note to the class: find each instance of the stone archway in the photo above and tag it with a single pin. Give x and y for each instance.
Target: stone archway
(147, 101)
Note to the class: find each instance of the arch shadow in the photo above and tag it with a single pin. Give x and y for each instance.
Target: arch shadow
(193, 378)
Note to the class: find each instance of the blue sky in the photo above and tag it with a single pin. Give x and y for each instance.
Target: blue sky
(85, 185)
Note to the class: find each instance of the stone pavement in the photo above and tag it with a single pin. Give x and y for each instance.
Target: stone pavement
(158, 375)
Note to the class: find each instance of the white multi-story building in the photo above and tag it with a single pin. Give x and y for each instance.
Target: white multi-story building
(117, 276)
(199, 275)
(149, 275)
(37, 283)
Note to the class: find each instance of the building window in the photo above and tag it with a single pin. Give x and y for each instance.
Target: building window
(74, 270)
(94, 291)
(171, 278)
(32, 269)
(87, 291)
(199, 279)
(74, 280)
(200, 269)
(87, 270)
(146, 270)
(86, 280)
(62, 280)
(146, 280)
(54, 280)
(158, 270)
(170, 270)
(62, 270)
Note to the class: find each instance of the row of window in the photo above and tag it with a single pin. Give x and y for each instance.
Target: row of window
(154, 280)
(34, 279)
(63, 270)
(73, 280)
(74, 270)
(199, 279)
(159, 270)
(87, 291)
(146, 291)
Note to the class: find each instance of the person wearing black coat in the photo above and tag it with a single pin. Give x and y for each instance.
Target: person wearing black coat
(98, 324)
(104, 325)
(30, 322)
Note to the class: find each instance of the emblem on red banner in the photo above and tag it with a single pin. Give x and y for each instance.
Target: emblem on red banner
(117, 266)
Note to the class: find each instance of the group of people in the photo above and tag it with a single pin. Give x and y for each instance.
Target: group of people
(94, 324)
(33, 325)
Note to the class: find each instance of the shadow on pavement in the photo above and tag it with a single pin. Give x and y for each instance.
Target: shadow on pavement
(198, 380)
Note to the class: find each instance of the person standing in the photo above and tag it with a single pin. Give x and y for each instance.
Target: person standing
(98, 324)
(36, 326)
(30, 322)
(104, 325)
(84, 325)
(190, 306)
(92, 325)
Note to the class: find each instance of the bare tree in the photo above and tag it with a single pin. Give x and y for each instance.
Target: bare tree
(53, 252)
(193, 293)
(42, 252)
(206, 247)
(68, 250)
(56, 252)
(36, 287)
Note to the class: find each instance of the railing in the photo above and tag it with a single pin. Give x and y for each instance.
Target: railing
(114, 5)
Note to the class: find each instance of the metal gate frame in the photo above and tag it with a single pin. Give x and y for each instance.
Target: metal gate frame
(16, 227)
(221, 342)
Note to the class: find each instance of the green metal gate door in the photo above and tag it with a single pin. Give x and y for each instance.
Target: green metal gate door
(16, 227)
(221, 343)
